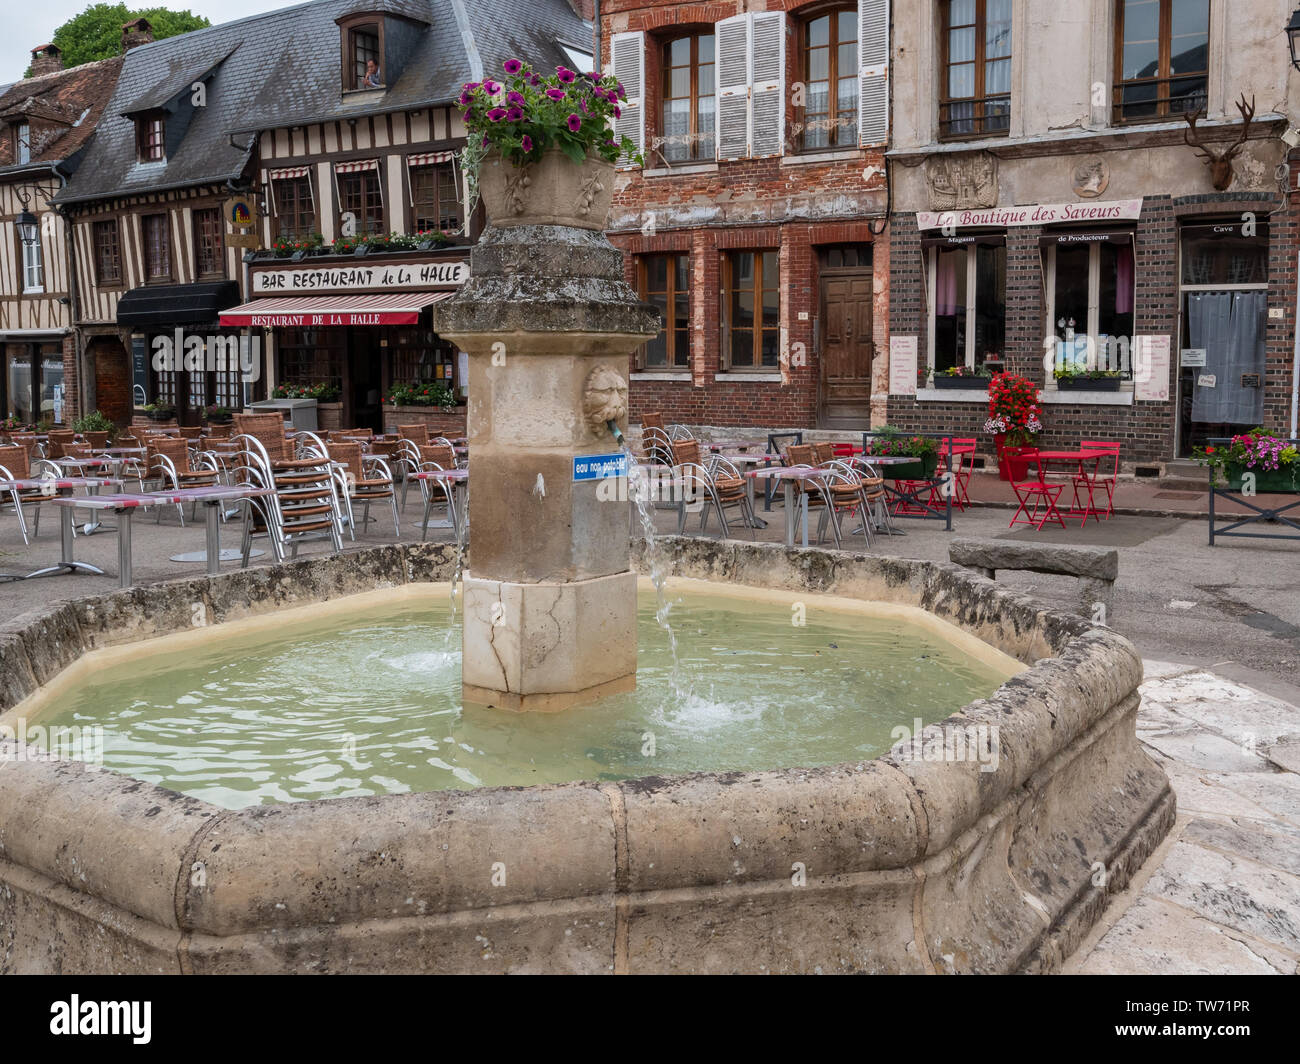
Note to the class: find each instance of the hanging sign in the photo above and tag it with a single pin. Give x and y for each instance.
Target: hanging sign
(902, 365)
(599, 466)
(1192, 356)
(1151, 356)
(1207, 380)
(1033, 214)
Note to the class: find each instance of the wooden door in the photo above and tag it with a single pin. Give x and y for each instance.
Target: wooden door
(846, 350)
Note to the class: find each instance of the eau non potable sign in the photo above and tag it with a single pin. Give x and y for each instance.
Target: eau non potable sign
(599, 466)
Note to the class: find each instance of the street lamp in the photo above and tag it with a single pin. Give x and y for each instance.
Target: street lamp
(28, 228)
(1293, 37)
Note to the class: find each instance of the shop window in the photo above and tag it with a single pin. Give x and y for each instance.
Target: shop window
(149, 140)
(34, 376)
(209, 247)
(421, 357)
(830, 74)
(1221, 254)
(33, 264)
(976, 69)
(157, 247)
(968, 304)
(108, 253)
(361, 196)
(435, 198)
(1091, 290)
(1161, 58)
(295, 209)
(311, 355)
(664, 281)
(847, 257)
(689, 98)
(751, 299)
(22, 136)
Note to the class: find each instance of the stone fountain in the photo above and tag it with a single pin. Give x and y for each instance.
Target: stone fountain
(548, 323)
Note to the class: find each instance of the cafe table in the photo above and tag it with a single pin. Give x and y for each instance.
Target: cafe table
(863, 461)
(1079, 460)
(788, 476)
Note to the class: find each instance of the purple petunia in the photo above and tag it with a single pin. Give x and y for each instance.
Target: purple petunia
(485, 140)
(466, 116)
(526, 143)
(516, 98)
(565, 75)
(512, 66)
(535, 79)
(514, 114)
(556, 94)
(618, 111)
(491, 88)
(575, 123)
(466, 99)
(496, 114)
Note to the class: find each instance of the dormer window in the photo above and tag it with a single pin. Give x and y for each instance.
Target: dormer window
(149, 144)
(362, 51)
(22, 142)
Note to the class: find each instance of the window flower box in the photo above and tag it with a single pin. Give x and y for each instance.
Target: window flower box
(1088, 384)
(944, 381)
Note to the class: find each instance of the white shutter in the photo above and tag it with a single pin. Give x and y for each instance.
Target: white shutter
(767, 66)
(628, 50)
(873, 71)
(731, 43)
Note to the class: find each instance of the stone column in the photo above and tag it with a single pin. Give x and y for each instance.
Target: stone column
(549, 597)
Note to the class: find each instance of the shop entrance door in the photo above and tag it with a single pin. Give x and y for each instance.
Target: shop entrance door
(846, 349)
(365, 384)
(1224, 325)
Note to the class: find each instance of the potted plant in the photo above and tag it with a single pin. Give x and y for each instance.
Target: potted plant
(1273, 461)
(1095, 380)
(218, 415)
(540, 150)
(962, 377)
(96, 427)
(887, 441)
(1015, 419)
(160, 411)
(421, 394)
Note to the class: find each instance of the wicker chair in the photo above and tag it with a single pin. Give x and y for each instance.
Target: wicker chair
(170, 460)
(417, 434)
(219, 432)
(436, 456)
(268, 430)
(16, 464)
(191, 432)
(719, 485)
(59, 441)
(363, 479)
(305, 500)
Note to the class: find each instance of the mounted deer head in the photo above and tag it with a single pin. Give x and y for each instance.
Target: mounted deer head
(1220, 163)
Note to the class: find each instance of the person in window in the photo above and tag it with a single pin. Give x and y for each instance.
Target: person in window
(372, 80)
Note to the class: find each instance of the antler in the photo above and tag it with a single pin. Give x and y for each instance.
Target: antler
(1248, 115)
(1191, 132)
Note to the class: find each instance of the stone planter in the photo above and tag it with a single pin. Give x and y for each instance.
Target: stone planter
(329, 416)
(922, 469)
(449, 423)
(943, 382)
(98, 440)
(552, 191)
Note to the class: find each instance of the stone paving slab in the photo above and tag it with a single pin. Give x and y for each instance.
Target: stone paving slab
(1222, 894)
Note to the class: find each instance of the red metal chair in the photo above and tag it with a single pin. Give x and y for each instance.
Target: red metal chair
(1105, 474)
(1043, 495)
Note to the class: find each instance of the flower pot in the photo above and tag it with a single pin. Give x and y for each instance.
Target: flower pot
(98, 440)
(554, 190)
(161, 415)
(1010, 468)
(922, 469)
(1088, 384)
(972, 383)
(1285, 479)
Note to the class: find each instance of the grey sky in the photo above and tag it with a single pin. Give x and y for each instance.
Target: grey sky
(26, 24)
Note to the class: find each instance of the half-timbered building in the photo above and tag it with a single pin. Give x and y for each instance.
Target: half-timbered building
(45, 123)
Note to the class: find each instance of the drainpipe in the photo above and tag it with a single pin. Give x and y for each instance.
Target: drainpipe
(1295, 364)
(596, 19)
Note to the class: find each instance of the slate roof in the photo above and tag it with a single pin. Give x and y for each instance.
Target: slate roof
(62, 107)
(282, 68)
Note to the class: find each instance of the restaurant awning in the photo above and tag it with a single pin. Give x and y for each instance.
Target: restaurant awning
(168, 305)
(384, 308)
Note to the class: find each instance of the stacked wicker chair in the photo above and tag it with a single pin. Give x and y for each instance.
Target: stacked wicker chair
(719, 485)
(305, 500)
(363, 479)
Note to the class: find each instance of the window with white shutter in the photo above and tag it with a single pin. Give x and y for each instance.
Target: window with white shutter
(873, 76)
(628, 51)
(732, 49)
(767, 67)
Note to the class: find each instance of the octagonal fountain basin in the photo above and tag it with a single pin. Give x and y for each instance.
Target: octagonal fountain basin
(290, 783)
(362, 696)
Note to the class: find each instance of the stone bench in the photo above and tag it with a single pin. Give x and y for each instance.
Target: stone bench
(1095, 567)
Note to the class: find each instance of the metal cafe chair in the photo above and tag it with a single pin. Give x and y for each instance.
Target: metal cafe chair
(305, 500)
(362, 478)
(16, 464)
(719, 493)
(1042, 495)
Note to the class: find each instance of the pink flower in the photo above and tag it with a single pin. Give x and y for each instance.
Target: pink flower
(526, 143)
(565, 75)
(555, 94)
(467, 114)
(496, 114)
(618, 112)
(491, 88)
(514, 114)
(466, 99)
(575, 123)
(512, 66)
(516, 97)
(534, 79)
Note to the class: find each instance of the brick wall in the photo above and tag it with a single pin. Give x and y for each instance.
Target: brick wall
(71, 381)
(112, 371)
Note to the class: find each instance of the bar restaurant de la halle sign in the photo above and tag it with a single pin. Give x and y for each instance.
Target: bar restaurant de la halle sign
(393, 277)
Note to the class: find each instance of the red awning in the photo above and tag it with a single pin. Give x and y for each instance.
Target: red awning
(386, 308)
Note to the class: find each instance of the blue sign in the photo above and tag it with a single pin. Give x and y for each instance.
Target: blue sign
(599, 466)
